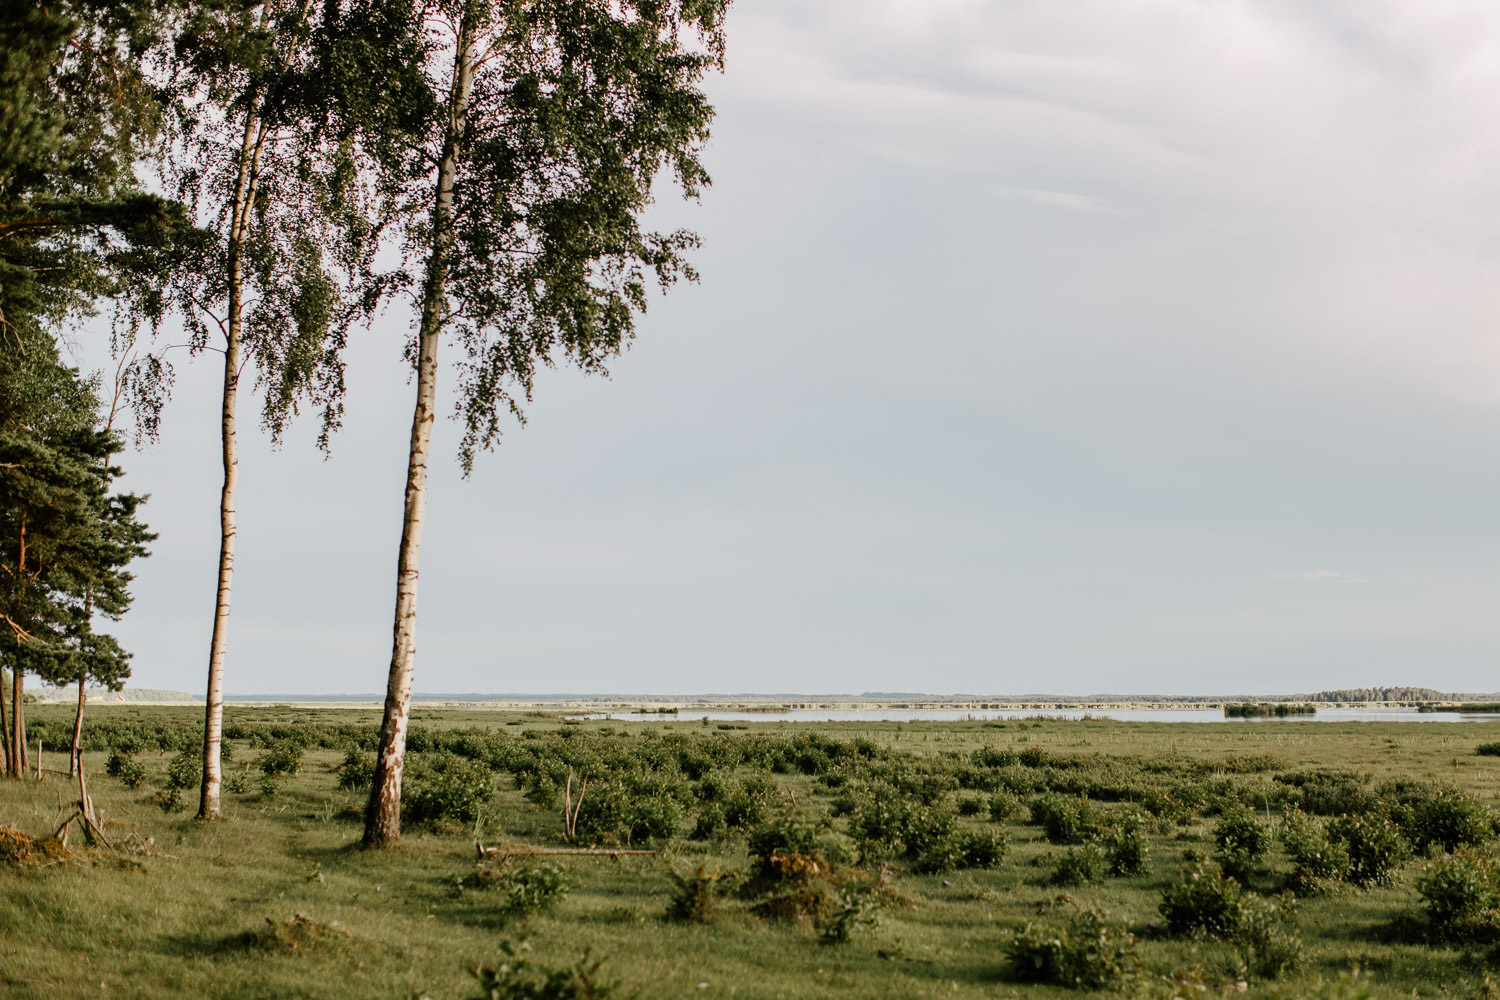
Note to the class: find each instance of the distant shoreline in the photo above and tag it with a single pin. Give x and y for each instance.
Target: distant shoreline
(664, 704)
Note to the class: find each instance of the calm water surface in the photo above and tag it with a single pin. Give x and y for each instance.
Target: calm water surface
(1121, 714)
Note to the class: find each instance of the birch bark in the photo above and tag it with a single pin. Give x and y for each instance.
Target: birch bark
(239, 225)
(383, 816)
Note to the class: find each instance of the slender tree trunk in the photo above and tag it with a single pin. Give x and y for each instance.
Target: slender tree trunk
(239, 225)
(383, 816)
(5, 731)
(75, 753)
(18, 722)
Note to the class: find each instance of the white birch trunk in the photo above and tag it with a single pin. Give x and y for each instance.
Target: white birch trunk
(383, 816)
(239, 226)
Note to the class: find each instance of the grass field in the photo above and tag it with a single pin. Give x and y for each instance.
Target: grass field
(181, 908)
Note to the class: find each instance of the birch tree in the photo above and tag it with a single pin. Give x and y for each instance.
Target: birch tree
(268, 167)
(555, 118)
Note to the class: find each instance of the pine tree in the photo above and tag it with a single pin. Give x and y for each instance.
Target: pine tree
(65, 540)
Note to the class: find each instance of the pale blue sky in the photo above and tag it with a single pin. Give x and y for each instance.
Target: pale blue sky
(1131, 345)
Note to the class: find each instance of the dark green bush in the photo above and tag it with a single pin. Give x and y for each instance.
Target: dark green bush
(123, 765)
(983, 848)
(1266, 937)
(1441, 817)
(1203, 902)
(1375, 846)
(787, 833)
(1241, 841)
(710, 822)
(1081, 865)
(357, 772)
(446, 789)
(1488, 749)
(1461, 896)
(1318, 862)
(1087, 952)
(284, 757)
(1005, 806)
(1330, 793)
(1127, 850)
(1066, 819)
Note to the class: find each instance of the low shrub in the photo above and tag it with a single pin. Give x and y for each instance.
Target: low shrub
(1066, 819)
(1461, 897)
(1374, 844)
(1266, 937)
(283, 757)
(1126, 848)
(1006, 806)
(971, 805)
(1488, 750)
(1318, 862)
(983, 848)
(1079, 865)
(447, 789)
(357, 772)
(522, 891)
(1330, 793)
(123, 765)
(1444, 818)
(856, 906)
(1241, 841)
(1088, 952)
(1203, 902)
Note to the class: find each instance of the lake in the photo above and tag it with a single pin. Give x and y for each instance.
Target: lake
(1119, 714)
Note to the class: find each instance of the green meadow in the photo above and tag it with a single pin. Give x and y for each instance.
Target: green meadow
(1028, 858)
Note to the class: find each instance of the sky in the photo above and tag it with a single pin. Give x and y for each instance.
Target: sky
(1067, 346)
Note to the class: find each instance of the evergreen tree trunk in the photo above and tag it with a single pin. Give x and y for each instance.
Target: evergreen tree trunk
(5, 728)
(213, 721)
(383, 816)
(75, 753)
(18, 756)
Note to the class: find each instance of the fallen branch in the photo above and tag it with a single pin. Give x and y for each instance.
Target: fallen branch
(526, 850)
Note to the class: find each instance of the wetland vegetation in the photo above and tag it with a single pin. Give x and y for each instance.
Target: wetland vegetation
(1025, 858)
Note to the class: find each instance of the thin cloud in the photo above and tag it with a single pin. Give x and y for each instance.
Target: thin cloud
(1052, 199)
(1320, 576)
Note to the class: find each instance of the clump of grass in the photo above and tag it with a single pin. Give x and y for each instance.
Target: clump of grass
(696, 894)
(516, 977)
(295, 936)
